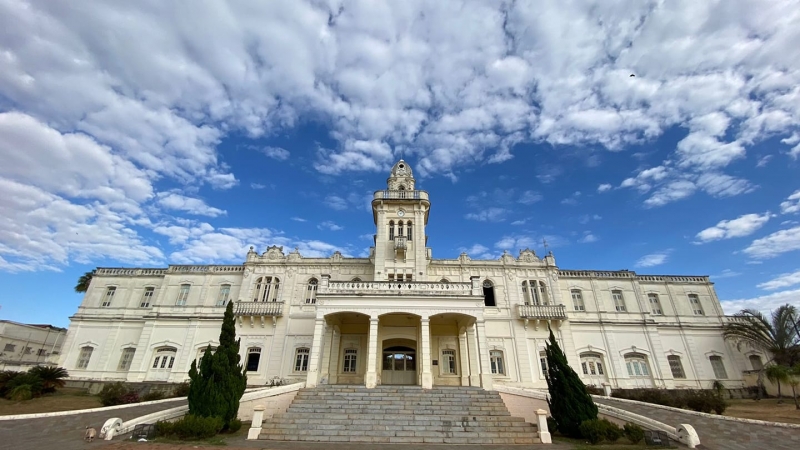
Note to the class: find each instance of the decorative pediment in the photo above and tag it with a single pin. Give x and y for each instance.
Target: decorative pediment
(337, 256)
(528, 256)
(463, 258)
(506, 257)
(274, 252)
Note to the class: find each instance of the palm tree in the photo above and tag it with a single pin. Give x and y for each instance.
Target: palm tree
(83, 282)
(52, 377)
(775, 336)
(777, 373)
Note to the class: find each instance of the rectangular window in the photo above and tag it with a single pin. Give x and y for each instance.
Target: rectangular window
(577, 300)
(583, 366)
(619, 301)
(543, 362)
(408, 231)
(350, 355)
(497, 363)
(183, 295)
(224, 294)
(41, 352)
(126, 359)
(110, 291)
(755, 361)
(600, 368)
(694, 302)
(676, 366)
(84, 356)
(655, 305)
(27, 350)
(253, 358)
(719, 367)
(9, 348)
(449, 361)
(147, 297)
(301, 360)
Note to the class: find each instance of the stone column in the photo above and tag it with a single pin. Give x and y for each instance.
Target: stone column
(425, 353)
(472, 345)
(483, 356)
(316, 350)
(372, 350)
(324, 372)
(464, 355)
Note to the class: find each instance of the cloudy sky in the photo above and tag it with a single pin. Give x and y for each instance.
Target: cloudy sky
(147, 133)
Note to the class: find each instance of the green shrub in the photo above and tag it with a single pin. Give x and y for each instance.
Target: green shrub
(234, 426)
(164, 428)
(153, 395)
(633, 432)
(195, 427)
(117, 394)
(552, 425)
(611, 431)
(182, 390)
(33, 383)
(20, 393)
(593, 430)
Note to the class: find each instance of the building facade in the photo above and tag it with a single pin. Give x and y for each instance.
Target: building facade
(403, 317)
(23, 346)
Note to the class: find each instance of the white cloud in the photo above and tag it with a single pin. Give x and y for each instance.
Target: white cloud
(653, 259)
(775, 244)
(671, 192)
(257, 185)
(792, 204)
(488, 215)
(329, 225)
(727, 273)
(179, 202)
(478, 251)
(764, 303)
(519, 222)
(764, 160)
(605, 187)
(781, 281)
(278, 153)
(741, 226)
(299, 219)
(587, 238)
(572, 200)
(336, 202)
(529, 197)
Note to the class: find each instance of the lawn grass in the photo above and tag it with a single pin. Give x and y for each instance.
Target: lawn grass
(581, 444)
(64, 399)
(766, 409)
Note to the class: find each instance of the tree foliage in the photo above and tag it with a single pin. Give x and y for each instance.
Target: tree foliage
(218, 384)
(52, 377)
(569, 402)
(83, 282)
(775, 335)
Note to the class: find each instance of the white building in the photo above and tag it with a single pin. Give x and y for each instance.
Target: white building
(23, 346)
(402, 317)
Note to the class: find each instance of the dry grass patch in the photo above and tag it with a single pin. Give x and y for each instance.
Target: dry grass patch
(767, 409)
(63, 400)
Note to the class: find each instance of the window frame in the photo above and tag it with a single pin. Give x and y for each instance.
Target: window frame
(637, 365)
(124, 364)
(488, 296)
(578, 304)
(250, 352)
(695, 305)
(350, 361)
(311, 291)
(183, 294)
(160, 362)
(720, 372)
(409, 234)
(758, 358)
(147, 300)
(619, 300)
(108, 297)
(301, 357)
(497, 362)
(676, 367)
(655, 306)
(84, 357)
(449, 364)
(223, 289)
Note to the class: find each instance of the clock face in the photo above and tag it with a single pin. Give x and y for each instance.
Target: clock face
(401, 213)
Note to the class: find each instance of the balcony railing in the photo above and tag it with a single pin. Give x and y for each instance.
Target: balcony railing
(542, 312)
(400, 195)
(399, 243)
(396, 288)
(258, 309)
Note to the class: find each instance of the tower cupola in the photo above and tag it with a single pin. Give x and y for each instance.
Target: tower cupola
(401, 178)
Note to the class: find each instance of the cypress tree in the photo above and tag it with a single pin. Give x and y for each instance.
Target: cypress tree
(569, 402)
(217, 386)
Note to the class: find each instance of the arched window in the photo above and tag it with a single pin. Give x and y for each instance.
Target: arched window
(756, 362)
(84, 356)
(443, 280)
(592, 367)
(350, 360)
(224, 295)
(526, 293)
(400, 228)
(253, 358)
(266, 289)
(497, 362)
(311, 291)
(676, 366)
(408, 230)
(719, 367)
(636, 363)
(488, 294)
(655, 304)
(391, 230)
(126, 359)
(534, 292)
(356, 280)
(401, 188)
(165, 358)
(301, 359)
(542, 294)
(577, 300)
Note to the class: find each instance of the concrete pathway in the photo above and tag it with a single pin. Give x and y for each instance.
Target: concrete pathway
(66, 432)
(243, 444)
(719, 434)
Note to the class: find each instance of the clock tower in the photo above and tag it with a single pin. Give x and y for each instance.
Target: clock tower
(401, 213)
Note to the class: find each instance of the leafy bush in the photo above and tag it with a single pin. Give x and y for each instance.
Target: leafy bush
(182, 390)
(33, 383)
(191, 427)
(153, 395)
(234, 426)
(633, 432)
(20, 393)
(611, 431)
(706, 401)
(593, 430)
(552, 426)
(52, 377)
(117, 394)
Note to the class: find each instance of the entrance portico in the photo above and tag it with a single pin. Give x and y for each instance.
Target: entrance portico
(363, 335)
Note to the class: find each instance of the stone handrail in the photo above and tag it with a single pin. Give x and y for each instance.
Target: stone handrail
(629, 274)
(130, 272)
(258, 308)
(400, 195)
(542, 311)
(396, 287)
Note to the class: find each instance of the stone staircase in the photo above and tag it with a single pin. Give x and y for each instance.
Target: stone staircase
(399, 414)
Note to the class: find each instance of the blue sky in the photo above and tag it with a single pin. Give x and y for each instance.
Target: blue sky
(142, 135)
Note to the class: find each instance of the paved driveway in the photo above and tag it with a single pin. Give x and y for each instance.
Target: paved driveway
(719, 434)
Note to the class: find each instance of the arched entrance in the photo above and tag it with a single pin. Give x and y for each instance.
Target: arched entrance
(399, 362)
